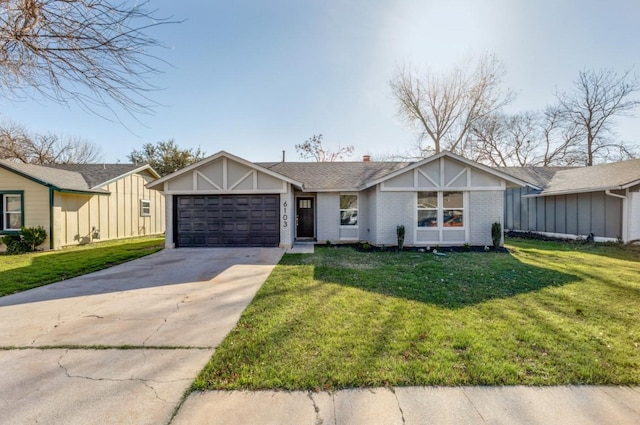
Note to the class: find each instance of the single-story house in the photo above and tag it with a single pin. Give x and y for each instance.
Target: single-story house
(224, 200)
(79, 203)
(575, 202)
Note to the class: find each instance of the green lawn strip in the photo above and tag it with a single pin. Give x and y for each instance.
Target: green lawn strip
(545, 314)
(21, 272)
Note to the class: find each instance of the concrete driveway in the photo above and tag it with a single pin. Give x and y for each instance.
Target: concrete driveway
(122, 345)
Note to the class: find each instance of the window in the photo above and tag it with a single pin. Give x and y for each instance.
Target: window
(427, 209)
(145, 208)
(348, 210)
(11, 211)
(440, 209)
(453, 209)
(304, 203)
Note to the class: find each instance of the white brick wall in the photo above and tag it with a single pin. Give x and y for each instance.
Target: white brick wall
(328, 217)
(634, 215)
(485, 208)
(394, 208)
(369, 233)
(363, 215)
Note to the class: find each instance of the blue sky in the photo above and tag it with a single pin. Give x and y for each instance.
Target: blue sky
(256, 77)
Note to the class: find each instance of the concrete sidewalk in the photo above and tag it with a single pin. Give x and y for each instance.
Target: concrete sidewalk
(566, 405)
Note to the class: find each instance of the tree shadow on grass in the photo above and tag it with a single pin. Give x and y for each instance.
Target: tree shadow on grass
(456, 280)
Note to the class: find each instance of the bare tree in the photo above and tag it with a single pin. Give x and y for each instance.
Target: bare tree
(597, 98)
(559, 140)
(92, 52)
(505, 140)
(526, 139)
(443, 108)
(18, 145)
(313, 149)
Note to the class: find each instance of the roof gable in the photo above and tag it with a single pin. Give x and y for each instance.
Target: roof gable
(431, 177)
(221, 173)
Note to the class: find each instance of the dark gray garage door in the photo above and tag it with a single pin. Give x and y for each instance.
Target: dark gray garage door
(227, 220)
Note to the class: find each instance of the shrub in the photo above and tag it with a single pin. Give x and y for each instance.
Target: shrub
(496, 234)
(15, 244)
(33, 236)
(400, 234)
(26, 241)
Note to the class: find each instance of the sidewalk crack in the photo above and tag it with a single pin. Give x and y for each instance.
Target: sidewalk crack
(316, 408)
(474, 406)
(398, 402)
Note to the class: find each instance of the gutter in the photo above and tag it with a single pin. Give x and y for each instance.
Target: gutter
(624, 229)
(615, 195)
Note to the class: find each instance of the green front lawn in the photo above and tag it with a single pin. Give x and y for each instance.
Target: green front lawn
(547, 313)
(21, 272)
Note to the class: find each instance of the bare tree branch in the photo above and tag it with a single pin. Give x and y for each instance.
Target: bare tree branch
(443, 108)
(312, 148)
(90, 51)
(597, 98)
(18, 145)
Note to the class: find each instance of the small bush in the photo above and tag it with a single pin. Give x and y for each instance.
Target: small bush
(400, 234)
(496, 234)
(33, 236)
(15, 244)
(26, 241)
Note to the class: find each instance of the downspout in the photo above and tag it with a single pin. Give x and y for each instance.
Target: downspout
(51, 194)
(624, 212)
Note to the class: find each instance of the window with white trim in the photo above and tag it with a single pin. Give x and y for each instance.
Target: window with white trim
(440, 209)
(348, 210)
(11, 211)
(145, 208)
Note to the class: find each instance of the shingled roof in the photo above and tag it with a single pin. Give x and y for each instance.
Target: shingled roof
(86, 178)
(536, 176)
(48, 176)
(98, 174)
(617, 175)
(333, 176)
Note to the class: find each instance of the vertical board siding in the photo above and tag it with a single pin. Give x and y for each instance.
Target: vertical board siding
(613, 222)
(113, 216)
(598, 216)
(572, 215)
(584, 213)
(561, 215)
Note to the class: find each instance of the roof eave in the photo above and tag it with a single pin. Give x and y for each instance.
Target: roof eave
(573, 191)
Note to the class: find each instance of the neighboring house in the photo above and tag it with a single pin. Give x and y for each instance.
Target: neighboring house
(80, 203)
(603, 200)
(225, 200)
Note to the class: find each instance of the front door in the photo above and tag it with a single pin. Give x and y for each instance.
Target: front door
(304, 218)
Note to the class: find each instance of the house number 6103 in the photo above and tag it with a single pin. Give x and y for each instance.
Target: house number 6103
(285, 217)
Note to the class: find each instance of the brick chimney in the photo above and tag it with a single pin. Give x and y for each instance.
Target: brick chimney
(366, 158)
